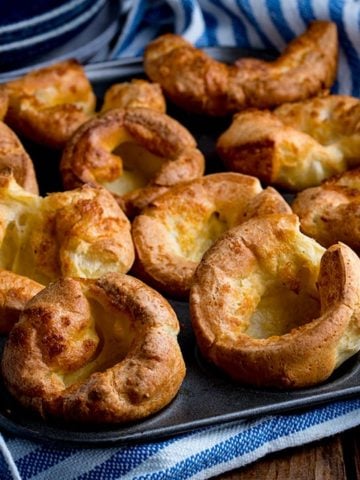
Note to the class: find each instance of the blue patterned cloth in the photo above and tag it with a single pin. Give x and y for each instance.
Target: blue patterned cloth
(196, 455)
(209, 451)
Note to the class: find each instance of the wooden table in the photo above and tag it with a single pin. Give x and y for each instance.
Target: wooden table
(333, 458)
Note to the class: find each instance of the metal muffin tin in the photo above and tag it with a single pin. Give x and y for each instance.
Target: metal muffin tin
(207, 396)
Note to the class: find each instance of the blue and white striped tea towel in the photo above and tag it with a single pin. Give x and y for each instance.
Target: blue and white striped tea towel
(197, 455)
(213, 450)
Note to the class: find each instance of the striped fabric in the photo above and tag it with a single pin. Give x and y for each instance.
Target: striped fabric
(261, 24)
(210, 451)
(197, 455)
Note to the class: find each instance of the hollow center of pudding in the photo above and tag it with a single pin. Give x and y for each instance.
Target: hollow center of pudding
(279, 292)
(194, 231)
(280, 310)
(20, 228)
(115, 331)
(139, 167)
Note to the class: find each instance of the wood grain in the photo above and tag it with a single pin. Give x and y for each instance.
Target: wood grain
(334, 458)
(351, 452)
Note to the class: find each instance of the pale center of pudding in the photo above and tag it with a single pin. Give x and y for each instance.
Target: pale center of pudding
(280, 310)
(263, 307)
(193, 231)
(278, 294)
(51, 96)
(21, 222)
(115, 332)
(139, 167)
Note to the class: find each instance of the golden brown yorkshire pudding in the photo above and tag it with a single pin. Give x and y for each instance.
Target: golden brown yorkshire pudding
(47, 105)
(196, 82)
(15, 292)
(331, 212)
(173, 232)
(98, 351)
(4, 102)
(81, 233)
(136, 93)
(13, 156)
(297, 145)
(271, 307)
(135, 153)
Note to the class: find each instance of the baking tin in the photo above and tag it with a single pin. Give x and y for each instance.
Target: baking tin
(206, 397)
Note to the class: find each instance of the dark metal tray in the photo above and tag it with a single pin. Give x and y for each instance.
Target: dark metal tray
(207, 397)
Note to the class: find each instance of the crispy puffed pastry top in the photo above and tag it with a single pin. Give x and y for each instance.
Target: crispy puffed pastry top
(4, 101)
(331, 212)
(48, 104)
(15, 291)
(135, 93)
(136, 153)
(14, 156)
(271, 307)
(99, 350)
(198, 83)
(81, 232)
(174, 231)
(297, 145)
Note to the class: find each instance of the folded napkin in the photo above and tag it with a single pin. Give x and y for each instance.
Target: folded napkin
(206, 452)
(200, 454)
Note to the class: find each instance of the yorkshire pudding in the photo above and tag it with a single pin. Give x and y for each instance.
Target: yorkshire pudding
(13, 156)
(152, 152)
(196, 82)
(331, 212)
(272, 308)
(136, 93)
(175, 230)
(47, 105)
(15, 292)
(81, 233)
(297, 145)
(4, 101)
(95, 350)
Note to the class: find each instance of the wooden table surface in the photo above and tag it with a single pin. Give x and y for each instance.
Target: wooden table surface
(333, 458)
